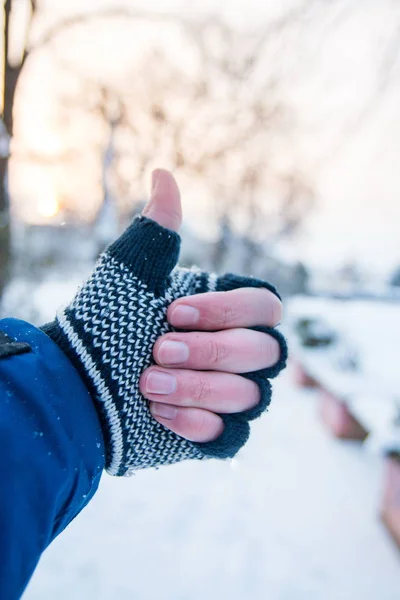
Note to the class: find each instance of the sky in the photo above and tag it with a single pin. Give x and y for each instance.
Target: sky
(346, 132)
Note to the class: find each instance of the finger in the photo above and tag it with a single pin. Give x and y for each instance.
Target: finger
(218, 392)
(194, 424)
(244, 307)
(164, 205)
(233, 350)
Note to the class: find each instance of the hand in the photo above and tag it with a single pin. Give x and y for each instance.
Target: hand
(198, 372)
(109, 332)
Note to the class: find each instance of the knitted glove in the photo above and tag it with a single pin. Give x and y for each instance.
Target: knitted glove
(108, 332)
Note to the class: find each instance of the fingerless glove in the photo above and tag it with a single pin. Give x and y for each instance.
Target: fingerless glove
(108, 333)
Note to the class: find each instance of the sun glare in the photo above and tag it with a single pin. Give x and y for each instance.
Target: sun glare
(48, 207)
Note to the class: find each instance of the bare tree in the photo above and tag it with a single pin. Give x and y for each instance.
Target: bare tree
(11, 71)
(204, 123)
(215, 122)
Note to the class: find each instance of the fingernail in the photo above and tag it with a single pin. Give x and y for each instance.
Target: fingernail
(171, 353)
(184, 315)
(160, 383)
(166, 411)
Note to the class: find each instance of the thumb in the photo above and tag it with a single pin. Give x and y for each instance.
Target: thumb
(164, 205)
(149, 247)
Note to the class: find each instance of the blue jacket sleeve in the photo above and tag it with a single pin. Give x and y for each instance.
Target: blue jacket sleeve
(51, 450)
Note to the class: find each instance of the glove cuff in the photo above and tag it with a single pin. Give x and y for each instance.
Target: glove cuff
(111, 436)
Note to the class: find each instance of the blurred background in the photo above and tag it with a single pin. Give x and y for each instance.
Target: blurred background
(281, 123)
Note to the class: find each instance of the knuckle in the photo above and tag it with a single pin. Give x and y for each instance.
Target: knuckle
(227, 315)
(214, 352)
(199, 389)
(220, 316)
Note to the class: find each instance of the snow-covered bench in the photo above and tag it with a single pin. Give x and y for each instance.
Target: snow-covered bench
(367, 333)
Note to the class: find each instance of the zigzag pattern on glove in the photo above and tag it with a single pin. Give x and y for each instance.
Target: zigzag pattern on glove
(109, 330)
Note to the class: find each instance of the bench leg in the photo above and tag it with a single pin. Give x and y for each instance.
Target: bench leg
(390, 506)
(301, 378)
(338, 419)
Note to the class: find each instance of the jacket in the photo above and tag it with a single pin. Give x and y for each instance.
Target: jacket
(51, 448)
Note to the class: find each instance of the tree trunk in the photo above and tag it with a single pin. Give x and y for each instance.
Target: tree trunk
(4, 203)
(10, 80)
(5, 245)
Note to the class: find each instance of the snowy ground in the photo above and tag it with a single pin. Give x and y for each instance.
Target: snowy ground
(295, 518)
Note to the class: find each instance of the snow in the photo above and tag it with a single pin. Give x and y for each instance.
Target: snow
(369, 330)
(37, 301)
(294, 517)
